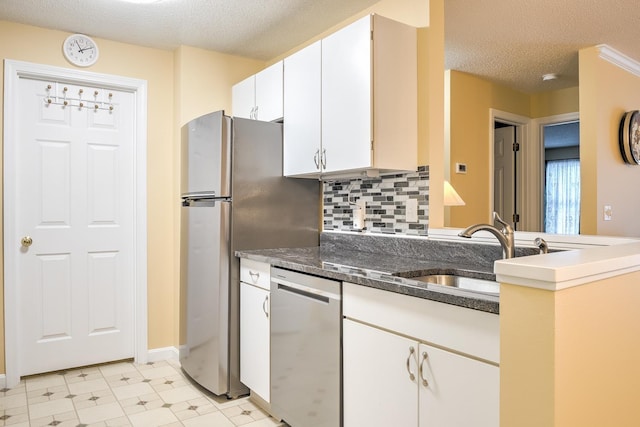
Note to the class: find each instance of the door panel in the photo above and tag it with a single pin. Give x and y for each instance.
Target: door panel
(75, 173)
(504, 173)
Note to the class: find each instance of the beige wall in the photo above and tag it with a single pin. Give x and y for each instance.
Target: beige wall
(570, 358)
(606, 93)
(555, 102)
(181, 85)
(32, 44)
(468, 101)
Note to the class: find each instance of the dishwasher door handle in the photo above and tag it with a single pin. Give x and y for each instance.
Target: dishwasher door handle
(309, 291)
(304, 293)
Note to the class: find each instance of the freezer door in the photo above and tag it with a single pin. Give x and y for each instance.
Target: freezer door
(206, 156)
(205, 282)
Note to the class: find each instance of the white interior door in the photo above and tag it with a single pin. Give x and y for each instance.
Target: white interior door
(504, 173)
(74, 181)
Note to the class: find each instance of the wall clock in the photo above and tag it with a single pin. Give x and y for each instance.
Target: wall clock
(629, 137)
(80, 50)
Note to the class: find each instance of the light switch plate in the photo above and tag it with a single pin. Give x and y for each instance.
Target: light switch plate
(608, 213)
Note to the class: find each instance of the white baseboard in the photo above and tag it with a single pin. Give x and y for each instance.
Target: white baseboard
(164, 353)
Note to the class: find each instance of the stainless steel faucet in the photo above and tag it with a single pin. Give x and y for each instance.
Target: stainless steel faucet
(504, 234)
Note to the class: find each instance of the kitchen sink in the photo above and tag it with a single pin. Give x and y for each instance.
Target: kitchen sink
(460, 282)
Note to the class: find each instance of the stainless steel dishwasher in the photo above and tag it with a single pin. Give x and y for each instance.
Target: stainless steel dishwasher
(306, 353)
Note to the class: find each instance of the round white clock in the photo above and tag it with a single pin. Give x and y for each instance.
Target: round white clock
(80, 50)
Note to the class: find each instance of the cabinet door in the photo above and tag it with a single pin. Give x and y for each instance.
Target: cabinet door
(269, 93)
(378, 390)
(254, 339)
(302, 111)
(243, 98)
(461, 392)
(347, 97)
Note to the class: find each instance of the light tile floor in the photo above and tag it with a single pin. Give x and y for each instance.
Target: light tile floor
(123, 394)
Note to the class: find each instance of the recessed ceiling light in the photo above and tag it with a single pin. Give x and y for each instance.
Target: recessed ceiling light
(548, 77)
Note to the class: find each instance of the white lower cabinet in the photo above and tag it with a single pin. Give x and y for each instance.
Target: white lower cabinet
(411, 362)
(255, 326)
(459, 391)
(377, 390)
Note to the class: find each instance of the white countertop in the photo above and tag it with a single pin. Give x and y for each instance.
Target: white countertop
(561, 270)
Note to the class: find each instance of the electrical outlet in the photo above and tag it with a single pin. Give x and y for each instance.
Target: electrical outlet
(608, 213)
(358, 214)
(412, 210)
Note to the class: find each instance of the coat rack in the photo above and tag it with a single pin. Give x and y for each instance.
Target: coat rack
(79, 100)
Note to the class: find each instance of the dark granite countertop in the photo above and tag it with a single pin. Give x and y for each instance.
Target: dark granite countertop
(385, 271)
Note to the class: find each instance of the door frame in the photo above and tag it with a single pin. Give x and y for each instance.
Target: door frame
(522, 125)
(536, 162)
(13, 71)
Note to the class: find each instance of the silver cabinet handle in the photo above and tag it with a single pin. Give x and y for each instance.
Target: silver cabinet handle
(251, 114)
(323, 159)
(315, 158)
(411, 374)
(425, 356)
(264, 305)
(255, 113)
(254, 276)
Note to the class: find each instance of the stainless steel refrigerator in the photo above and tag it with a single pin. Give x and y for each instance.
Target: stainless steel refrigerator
(234, 197)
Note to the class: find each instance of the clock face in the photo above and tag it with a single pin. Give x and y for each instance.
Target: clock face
(80, 50)
(629, 137)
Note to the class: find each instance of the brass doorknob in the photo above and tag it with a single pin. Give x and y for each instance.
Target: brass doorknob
(26, 241)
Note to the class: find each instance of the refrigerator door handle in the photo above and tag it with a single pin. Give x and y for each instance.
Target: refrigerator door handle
(194, 202)
(200, 195)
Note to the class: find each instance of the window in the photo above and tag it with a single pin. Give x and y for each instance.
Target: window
(562, 197)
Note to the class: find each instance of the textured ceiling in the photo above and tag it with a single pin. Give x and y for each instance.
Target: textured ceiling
(513, 42)
(252, 28)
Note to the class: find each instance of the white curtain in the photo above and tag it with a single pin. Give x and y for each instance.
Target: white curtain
(562, 198)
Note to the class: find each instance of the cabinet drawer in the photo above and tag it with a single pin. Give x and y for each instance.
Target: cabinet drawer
(255, 273)
(472, 332)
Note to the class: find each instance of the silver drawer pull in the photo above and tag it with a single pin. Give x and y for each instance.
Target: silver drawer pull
(264, 305)
(425, 356)
(254, 276)
(412, 376)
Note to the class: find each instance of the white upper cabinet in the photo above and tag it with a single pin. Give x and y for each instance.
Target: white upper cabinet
(259, 97)
(302, 101)
(347, 98)
(363, 81)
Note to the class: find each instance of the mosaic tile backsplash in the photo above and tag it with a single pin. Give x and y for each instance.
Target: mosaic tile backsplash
(385, 197)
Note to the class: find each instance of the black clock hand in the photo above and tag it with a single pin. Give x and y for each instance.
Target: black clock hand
(86, 48)
(79, 48)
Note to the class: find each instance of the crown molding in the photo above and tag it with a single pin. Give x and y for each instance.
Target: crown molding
(618, 59)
